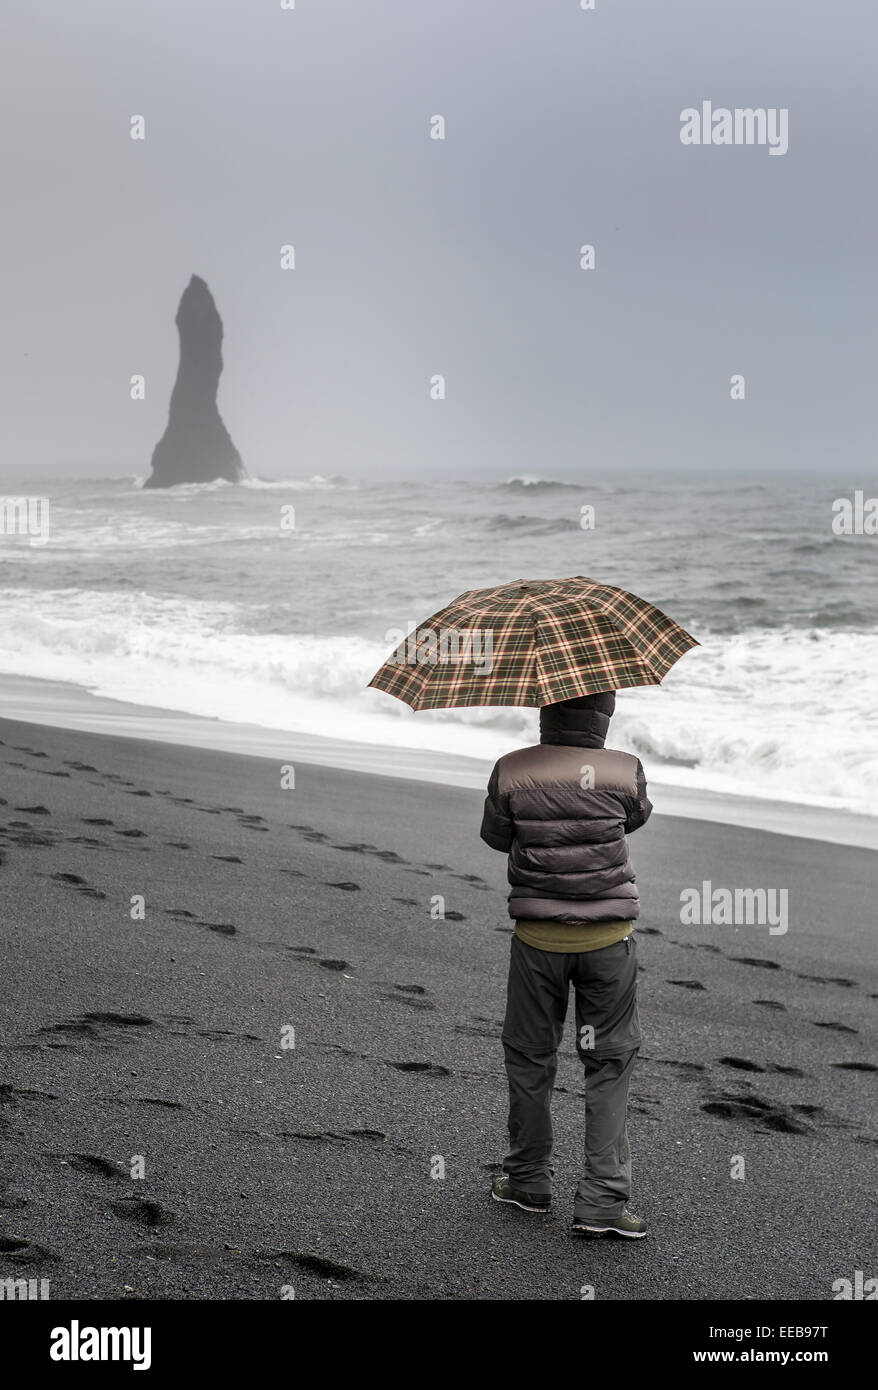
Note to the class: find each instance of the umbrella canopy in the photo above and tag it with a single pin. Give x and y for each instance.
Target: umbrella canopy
(534, 642)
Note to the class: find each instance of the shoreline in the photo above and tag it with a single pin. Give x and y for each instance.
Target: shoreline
(57, 704)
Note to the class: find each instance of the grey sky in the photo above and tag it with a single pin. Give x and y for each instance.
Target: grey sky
(415, 257)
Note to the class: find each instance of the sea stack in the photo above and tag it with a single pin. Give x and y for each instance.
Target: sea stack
(196, 446)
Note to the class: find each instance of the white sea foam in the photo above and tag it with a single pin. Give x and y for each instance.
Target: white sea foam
(771, 713)
(318, 483)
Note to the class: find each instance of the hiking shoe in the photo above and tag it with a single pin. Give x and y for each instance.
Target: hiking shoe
(629, 1225)
(503, 1191)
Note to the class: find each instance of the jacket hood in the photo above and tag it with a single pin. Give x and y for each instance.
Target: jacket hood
(584, 721)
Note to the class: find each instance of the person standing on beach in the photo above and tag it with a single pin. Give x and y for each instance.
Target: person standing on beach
(561, 810)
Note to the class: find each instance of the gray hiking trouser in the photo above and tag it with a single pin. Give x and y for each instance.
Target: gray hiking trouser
(607, 1040)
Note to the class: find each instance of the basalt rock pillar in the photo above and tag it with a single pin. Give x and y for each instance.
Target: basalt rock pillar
(196, 446)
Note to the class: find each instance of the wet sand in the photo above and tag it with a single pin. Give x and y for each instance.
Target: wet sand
(161, 1039)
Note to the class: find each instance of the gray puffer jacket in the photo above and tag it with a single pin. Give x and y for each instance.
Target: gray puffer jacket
(561, 810)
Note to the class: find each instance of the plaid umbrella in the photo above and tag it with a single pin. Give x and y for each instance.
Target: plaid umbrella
(533, 642)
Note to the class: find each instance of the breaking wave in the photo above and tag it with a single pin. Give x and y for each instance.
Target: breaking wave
(765, 713)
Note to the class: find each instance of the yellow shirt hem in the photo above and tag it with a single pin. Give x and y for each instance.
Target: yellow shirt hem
(567, 937)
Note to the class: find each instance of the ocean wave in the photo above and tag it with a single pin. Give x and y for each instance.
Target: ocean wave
(765, 713)
(318, 483)
(529, 483)
(175, 490)
(532, 525)
(838, 615)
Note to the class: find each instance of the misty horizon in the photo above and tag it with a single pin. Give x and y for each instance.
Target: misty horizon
(416, 256)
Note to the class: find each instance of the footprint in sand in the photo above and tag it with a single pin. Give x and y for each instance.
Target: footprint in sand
(756, 1112)
(423, 1068)
(319, 1264)
(21, 1251)
(756, 960)
(389, 855)
(346, 887)
(686, 984)
(8, 1094)
(143, 1211)
(94, 1025)
(222, 1034)
(94, 1165)
(334, 964)
(23, 836)
(97, 1027)
(308, 832)
(313, 1136)
(408, 1002)
(156, 1100)
(854, 1066)
(836, 1027)
(33, 810)
(183, 914)
(744, 1064)
(80, 884)
(330, 1136)
(227, 858)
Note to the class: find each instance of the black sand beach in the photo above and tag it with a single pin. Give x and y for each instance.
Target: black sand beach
(268, 1166)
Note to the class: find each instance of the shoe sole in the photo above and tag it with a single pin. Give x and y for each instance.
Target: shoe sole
(511, 1202)
(607, 1231)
